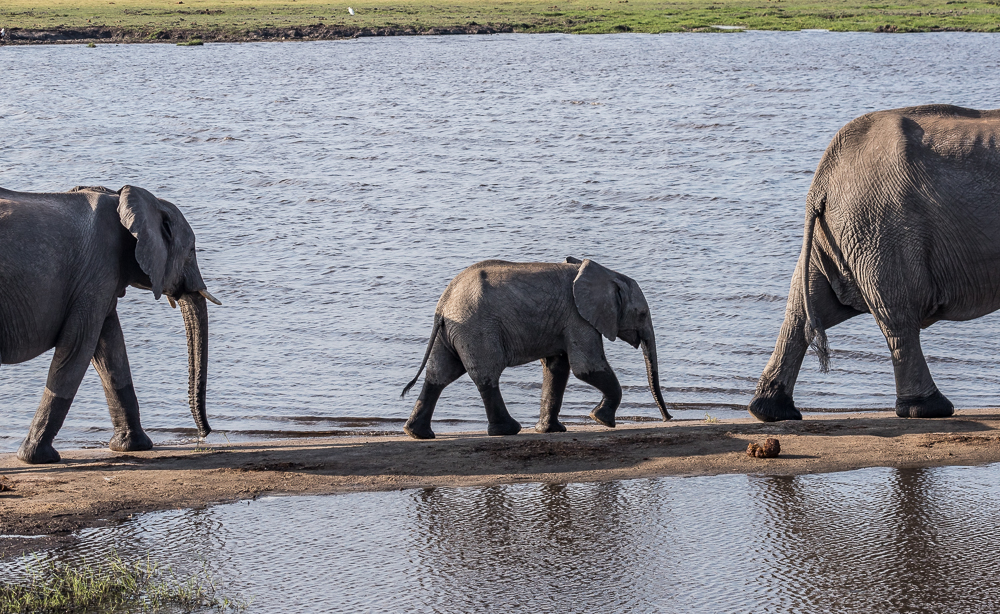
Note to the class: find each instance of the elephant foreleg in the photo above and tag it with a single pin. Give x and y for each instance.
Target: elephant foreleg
(69, 364)
(111, 363)
(605, 381)
(773, 399)
(443, 367)
(555, 375)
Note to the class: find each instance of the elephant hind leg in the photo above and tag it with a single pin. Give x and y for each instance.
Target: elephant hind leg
(555, 375)
(772, 401)
(500, 420)
(37, 446)
(917, 395)
(69, 364)
(443, 367)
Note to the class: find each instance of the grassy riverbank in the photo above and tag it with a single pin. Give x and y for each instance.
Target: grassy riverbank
(268, 19)
(112, 585)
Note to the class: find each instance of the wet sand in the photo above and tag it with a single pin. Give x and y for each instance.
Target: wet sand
(94, 487)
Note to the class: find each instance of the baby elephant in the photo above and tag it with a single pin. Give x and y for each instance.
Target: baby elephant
(498, 314)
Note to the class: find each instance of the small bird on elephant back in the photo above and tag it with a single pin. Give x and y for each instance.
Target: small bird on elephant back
(498, 314)
(65, 260)
(902, 221)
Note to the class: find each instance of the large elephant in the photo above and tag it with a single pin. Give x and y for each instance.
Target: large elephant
(65, 259)
(903, 222)
(498, 314)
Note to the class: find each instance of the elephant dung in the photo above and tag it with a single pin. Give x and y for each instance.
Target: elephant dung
(769, 449)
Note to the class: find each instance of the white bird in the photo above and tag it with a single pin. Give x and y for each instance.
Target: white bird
(350, 10)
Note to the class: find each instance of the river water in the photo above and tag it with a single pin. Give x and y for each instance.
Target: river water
(873, 540)
(336, 188)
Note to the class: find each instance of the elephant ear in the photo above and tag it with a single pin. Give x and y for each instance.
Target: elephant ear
(92, 188)
(572, 260)
(598, 295)
(140, 213)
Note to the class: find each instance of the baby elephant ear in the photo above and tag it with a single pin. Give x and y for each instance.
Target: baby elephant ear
(597, 293)
(140, 213)
(572, 260)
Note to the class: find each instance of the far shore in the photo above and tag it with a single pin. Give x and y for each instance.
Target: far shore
(179, 21)
(95, 487)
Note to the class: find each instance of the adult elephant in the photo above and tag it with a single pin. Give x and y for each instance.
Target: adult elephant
(903, 222)
(65, 259)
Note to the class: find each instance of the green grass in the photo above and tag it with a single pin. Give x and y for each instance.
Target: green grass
(115, 586)
(154, 17)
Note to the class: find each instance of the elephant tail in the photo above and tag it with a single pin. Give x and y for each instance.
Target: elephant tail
(438, 321)
(814, 332)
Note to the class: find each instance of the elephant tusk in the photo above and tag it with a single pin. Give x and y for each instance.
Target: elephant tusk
(173, 303)
(209, 296)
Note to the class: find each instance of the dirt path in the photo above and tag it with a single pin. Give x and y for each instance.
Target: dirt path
(93, 487)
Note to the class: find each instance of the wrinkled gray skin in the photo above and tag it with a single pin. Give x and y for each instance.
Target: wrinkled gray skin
(65, 259)
(903, 222)
(497, 314)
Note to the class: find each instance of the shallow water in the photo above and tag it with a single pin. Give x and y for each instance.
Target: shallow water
(873, 540)
(336, 187)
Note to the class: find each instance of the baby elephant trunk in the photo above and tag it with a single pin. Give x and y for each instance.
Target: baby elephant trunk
(195, 313)
(648, 342)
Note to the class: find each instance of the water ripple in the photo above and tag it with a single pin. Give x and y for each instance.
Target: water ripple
(872, 540)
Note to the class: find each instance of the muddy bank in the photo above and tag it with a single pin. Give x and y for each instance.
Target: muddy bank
(92, 487)
(106, 34)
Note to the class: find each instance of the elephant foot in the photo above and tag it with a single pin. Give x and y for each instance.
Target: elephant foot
(36, 453)
(418, 431)
(935, 405)
(130, 441)
(550, 427)
(512, 427)
(604, 416)
(774, 406)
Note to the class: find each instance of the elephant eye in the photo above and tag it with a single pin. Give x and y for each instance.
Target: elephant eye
(167, 232)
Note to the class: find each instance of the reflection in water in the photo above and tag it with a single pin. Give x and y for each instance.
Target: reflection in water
(916, 558)
(537, 544)
(881, 540)
(874, 540)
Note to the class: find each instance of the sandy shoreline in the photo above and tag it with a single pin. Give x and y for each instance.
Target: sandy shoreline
(94, 487)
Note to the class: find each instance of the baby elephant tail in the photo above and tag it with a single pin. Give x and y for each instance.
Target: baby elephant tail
(430, 345)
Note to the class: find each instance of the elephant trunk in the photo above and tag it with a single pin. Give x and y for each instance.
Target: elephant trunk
(648, 342)
(195, 313)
